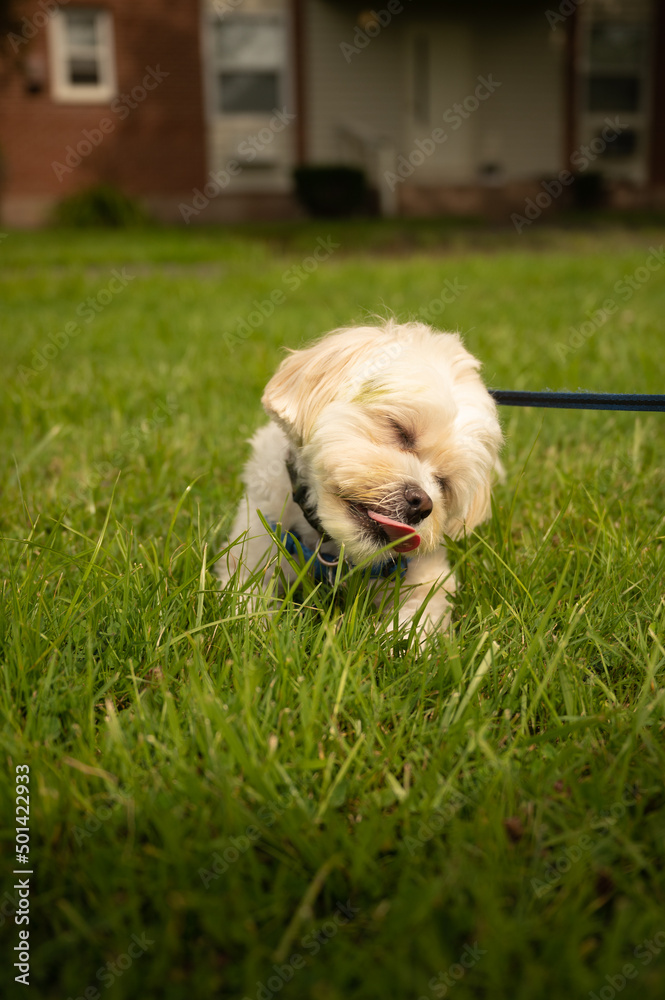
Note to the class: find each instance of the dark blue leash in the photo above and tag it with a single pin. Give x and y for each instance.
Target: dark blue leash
(324, 571)
(634, 402)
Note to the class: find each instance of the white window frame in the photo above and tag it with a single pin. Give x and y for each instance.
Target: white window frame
(62, 90)
(217, 68)
(632, 166)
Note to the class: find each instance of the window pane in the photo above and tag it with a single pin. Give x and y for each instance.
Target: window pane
(81, 27)
(625, 144)
(250, 46)
(83, 70)
(617, 46)
(614, 93)
(248, 91)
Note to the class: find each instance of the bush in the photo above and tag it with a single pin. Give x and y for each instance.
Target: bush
(589, 191)
(332, 191)
(102, 205)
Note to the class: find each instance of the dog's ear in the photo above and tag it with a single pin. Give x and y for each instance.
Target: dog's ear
(480, 439)
(470, 513)
(480, 506)
(477, 507)
(305, 382)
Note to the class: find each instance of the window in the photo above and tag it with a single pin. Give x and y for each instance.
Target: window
(82, 58)
(615, 68)
(249, 59)
(618, 45)
(617, 54)
(614, 93)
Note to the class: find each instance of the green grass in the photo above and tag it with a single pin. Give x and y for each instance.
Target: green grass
(221, 791)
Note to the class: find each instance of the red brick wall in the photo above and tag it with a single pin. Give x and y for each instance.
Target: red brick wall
(157, 150)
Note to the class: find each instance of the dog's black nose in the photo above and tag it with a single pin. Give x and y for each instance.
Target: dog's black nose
(419, 504)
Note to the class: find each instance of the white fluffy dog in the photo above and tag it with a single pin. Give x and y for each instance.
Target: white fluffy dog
(379, 435)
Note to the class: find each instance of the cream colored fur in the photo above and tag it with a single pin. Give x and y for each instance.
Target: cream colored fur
(366, 412)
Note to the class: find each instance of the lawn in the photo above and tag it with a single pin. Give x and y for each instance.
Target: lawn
(318, 811)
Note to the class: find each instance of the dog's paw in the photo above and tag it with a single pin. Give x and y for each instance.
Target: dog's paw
(434, 618)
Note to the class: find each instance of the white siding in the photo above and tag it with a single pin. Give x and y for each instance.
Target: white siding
(367, 91)
(519, 128)
(267, 168)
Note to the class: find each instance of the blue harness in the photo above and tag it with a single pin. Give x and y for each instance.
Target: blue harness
(324, 568)
(324, 571)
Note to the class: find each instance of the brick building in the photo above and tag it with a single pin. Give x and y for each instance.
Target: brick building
(203, 107)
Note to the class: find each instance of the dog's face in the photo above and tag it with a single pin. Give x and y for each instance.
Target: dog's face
(394, 435)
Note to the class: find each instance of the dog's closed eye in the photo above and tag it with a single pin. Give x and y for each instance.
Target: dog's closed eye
(444, 485)
(406, 438)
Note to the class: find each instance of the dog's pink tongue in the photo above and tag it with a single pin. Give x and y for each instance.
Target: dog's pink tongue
(395, 530)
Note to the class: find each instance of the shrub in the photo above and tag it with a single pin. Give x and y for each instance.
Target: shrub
(589, 191)
(333, 190)
(101, 205)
